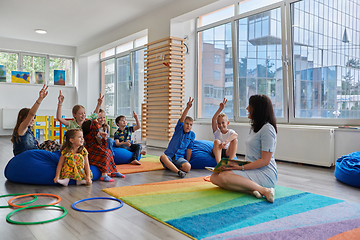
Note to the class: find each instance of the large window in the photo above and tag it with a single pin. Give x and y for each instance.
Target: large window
(326, 58)
(309, 67)
(215, 70)
(260, 64)
(122, 78)
(40, 67)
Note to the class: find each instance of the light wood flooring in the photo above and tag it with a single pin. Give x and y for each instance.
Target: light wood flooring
(128, 223)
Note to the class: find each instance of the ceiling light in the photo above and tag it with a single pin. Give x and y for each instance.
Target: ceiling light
(40, 31)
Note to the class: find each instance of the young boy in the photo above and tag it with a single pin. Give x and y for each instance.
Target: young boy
(180, 145)
(225, 144)
(122, 137)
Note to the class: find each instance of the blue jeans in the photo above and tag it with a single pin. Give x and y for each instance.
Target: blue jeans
(110, 144)
(135, 148)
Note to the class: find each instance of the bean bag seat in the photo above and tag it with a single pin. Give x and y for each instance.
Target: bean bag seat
(347, 169)
(122, 156)
(37, 167)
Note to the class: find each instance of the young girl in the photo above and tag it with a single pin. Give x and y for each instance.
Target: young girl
(78, 112)
(99, 154)
(23, 137)
(104, 127)
(74, 162)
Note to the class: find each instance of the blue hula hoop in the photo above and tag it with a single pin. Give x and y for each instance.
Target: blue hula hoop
(94, 198)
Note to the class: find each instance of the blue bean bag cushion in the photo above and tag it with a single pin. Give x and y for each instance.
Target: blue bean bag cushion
(201, 155)
(37, 167)
(347, 169)
(123, 156)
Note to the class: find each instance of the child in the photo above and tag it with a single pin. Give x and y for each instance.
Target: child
(74, 162)
(122, 137)
(78, 112)
(225, 144)
(181, 145)
(99, 154)
(23, 137)
(104, 127)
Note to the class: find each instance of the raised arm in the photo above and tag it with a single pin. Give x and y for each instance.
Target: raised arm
(137, 126)
(186, 110)
(24, 125)
(214, 118)
(58, 111)
(100, 101)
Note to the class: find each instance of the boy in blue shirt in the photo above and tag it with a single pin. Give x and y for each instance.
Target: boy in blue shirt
(180, 145)
(122, 138)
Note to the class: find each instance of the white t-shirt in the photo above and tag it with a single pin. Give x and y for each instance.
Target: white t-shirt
(223, 137)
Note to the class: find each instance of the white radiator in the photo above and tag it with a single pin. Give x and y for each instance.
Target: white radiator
(306, 144)
(295, 143)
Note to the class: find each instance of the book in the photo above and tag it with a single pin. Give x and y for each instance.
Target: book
(224, 162)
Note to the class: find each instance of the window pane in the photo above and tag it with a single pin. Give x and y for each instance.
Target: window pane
(138, 59)
(123, 86)
(108, 53)
(36, 67)
(215, 71)
(326, 60)
(141, 41)
(8, 62)
(125, 47)
(65, 64)
(216, 16)
(260, 70)
(108, 85)
(247, 6)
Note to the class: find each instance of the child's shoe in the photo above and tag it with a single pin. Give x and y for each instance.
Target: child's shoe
(181, 174)
(106, 178)
(257, 194)
(80, 182)
(64, 181)
(117, 174)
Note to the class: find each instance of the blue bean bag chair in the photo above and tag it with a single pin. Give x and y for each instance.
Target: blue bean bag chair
(123, 156)
(347, 169)
(37, 167)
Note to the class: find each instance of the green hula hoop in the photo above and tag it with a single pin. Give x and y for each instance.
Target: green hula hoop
(35, 206)
(17, 194)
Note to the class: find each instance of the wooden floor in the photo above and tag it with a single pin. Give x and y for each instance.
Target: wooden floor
(128, 223)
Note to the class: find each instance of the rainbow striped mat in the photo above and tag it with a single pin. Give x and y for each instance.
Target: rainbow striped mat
(201, 210)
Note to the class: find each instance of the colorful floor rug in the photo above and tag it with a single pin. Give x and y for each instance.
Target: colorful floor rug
(148, 163)
(201, 210)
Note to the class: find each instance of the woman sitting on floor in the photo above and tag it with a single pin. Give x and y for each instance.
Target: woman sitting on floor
(260, 175)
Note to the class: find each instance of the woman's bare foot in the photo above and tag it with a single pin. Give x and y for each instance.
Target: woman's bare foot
(135, 162)
(143, 152)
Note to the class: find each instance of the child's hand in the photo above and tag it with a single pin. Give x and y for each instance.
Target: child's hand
(88, 180)
(56, 179)
(127, 144)
(61, 98)
(135, 115)
(223, 103)
(189, 103)
(223, 145)
(43, 92)
(100, 99)
(103, 135)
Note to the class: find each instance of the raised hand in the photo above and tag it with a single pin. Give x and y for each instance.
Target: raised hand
(135, 115)
(222, 104)
(100, 99)
(43, 92)
(189, 103)
(61, 98)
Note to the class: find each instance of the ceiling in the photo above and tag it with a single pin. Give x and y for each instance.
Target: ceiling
(69, 22)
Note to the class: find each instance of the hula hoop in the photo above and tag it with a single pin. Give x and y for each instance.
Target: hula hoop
(35, 206)
(16, 194)
(34, 194)
(102, 210)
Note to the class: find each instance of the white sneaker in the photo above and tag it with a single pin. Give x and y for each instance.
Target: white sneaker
(80, 182)
(64, 181)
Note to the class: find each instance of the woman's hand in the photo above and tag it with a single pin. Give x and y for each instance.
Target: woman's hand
(231, 166)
